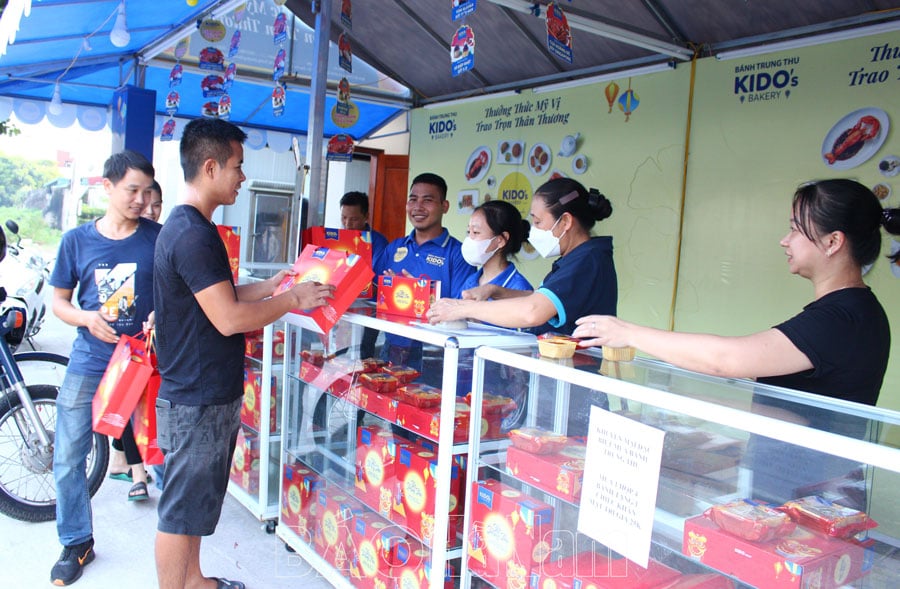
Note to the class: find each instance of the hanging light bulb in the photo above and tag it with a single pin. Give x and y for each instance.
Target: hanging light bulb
(119, 35)
(55, 107)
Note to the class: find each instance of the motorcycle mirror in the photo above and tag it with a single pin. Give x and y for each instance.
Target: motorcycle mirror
(12, 226)
(2, 245)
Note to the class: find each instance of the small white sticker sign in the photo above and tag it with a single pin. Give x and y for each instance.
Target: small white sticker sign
(621, 476)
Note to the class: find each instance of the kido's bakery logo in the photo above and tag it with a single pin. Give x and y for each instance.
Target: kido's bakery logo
(766, 80)
(442, 126)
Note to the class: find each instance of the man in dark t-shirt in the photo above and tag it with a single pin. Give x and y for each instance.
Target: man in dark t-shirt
(200, 318)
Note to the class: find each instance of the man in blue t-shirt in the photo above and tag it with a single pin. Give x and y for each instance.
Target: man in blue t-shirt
(355, 215)
(201, 316)
(110, 262)
(429, 250)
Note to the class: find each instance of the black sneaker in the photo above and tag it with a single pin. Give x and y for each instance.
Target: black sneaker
(71, 563)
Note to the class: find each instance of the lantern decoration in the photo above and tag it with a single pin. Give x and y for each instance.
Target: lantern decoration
(629, 101)
(611, 92)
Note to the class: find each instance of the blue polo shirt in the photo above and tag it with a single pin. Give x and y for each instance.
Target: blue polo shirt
(438, 259)
(582, 282)
(509, 278)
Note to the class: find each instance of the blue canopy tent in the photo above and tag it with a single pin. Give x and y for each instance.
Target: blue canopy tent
(67, 42)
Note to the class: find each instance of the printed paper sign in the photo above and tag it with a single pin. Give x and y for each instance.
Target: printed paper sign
(461, 8)
(462, 50)
(621, 475)
(559, 35)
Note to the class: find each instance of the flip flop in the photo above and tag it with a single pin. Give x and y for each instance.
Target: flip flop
(138, 492)
(126, 476)
(226, 584)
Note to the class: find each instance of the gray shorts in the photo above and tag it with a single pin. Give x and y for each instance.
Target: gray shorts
(198, 442)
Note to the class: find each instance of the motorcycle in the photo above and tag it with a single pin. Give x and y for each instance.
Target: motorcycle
(28, 421)
(25, 276)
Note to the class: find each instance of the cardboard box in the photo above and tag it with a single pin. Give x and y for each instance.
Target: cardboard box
(252, 406)
(802, 559)
(427, 421)
(414, 569)
(383, 405)
(231, 237)
(299, 492)
(511, 534)
(376, 468)
(347, 272)
(253, 345)
(416, 471)
(591, 570)
(245, 461)
(335, 513)
(561, 474)
(405, 296)
(374, 541)
(344, 240)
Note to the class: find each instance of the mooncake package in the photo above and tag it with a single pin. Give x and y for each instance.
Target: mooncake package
(751, 520)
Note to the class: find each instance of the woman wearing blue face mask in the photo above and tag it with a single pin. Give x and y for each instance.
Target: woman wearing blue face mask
(563, 212)
(496, 231)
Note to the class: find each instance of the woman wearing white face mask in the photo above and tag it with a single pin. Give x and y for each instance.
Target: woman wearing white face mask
(563, 213)
(496, 231)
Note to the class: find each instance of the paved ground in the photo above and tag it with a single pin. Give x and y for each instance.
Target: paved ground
(124, 534)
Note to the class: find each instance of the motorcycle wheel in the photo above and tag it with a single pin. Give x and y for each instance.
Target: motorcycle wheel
(27, 490)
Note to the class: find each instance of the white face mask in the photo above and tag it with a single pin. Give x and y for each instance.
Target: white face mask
(543, 240)
(475, 252)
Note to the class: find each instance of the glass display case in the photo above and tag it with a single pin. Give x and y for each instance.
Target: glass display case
(374, 453)
(255, 467)
(638, 474)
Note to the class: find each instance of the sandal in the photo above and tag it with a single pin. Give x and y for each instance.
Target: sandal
(126, 476)
(226, 584)
(138, 492)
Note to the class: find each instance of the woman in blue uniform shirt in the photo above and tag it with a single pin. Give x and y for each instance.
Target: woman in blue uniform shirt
(496, 232)
(582, 280)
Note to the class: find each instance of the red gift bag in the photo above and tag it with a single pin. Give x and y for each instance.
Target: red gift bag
(144, 424)
(124, 381)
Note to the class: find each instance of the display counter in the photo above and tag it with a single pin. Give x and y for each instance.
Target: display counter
(644, 460)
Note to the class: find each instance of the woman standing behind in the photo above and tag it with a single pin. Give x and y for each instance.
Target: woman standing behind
(582, 280)
(496, 232)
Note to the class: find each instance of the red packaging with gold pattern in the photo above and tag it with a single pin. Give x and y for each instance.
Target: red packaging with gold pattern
(427, 421)
(511, 534)
(406, 296)
(417, 486)
(376, 467)
(335, 513)
(300, 487)
(827, 517)
(374, 542)
(420, 395)
(403, 374)
(378, 382)
(561, 474)
(245, 461)
(537, 440)
(383, 405)
(801, 560)
(231, 237)
(350, 241)
(414, 569)
(751, 520)
(252, 405)
(347, 272)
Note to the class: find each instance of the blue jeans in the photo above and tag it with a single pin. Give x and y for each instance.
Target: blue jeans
(74, 436)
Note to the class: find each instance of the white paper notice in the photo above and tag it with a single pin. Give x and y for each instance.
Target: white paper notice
(621, 476)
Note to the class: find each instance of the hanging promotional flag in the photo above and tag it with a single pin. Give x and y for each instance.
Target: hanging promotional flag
(279, 34)
(230, 72)
(278, 100)
(343, 94)
(559, 35)
(345, 114)
(462, 50)
(461, 8)
(345, 55)
(278, 68)
(173, 99)
(340, 148)
(212, 85)
(212, 59)
(175, 75)
(347, 14)
(181, 48)
(225, 107)
(212, 30)
(168, 130)
(210, 109)
(240, 12)
(235, 44)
